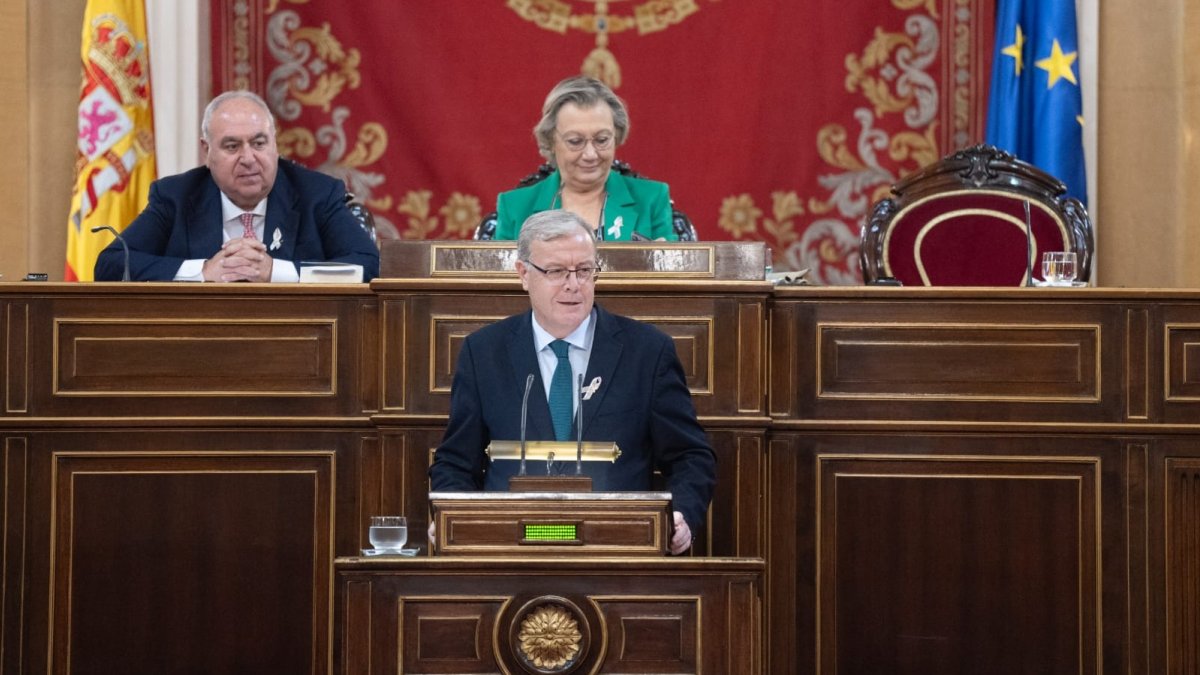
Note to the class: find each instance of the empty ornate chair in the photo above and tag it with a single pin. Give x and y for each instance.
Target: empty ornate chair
(679, 220)
(979, 217)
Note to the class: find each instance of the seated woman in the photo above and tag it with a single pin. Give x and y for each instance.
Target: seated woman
(582, 124)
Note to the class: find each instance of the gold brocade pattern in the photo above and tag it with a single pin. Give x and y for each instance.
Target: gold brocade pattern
(893, 74)
(871, 73)
(337, 68)
(650, 16)
(272, 5)
(461, 214)
(416, 205)
(929, 5)
(785, 206)
(313, 69)
(739, 215)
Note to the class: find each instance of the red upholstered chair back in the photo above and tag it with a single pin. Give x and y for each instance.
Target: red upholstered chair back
(962, 222)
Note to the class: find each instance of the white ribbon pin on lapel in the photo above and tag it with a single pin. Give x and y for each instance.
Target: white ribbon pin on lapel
(276, 240)
(591, 388)
(614, 230)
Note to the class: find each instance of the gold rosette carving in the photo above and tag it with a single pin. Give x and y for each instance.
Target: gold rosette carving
(550, 637)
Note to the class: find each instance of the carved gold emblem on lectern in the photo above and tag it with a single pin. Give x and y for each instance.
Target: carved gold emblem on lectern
(550, 637)
(648, 16)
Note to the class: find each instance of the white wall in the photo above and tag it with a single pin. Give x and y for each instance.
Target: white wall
(179, 80)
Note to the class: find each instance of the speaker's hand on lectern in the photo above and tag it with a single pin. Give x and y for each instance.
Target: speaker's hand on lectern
(682, 539)
(431, 531)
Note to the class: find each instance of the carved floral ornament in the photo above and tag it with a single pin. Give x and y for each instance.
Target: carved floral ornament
(549, 638)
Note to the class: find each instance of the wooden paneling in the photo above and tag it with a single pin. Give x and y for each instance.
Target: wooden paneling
(13, 473)
(942, 480)
(190, 352)
(1174, 548)
(936, 361)
(1182, 588)
(186, 542)
(463, 615)
(221, 357)
(950, 360)
(16, 363)
(964, 564)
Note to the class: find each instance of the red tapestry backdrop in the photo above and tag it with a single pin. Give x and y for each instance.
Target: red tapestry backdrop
(775, 121)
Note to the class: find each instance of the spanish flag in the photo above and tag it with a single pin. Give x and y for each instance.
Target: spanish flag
(114, 165)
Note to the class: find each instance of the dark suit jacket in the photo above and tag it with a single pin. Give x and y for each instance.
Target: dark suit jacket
(182, 221)
(642, 403)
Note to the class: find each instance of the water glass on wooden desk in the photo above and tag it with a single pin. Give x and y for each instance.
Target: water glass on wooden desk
(388, 533)
(1058, 268)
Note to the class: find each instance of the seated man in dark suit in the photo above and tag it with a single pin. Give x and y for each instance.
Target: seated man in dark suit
(246, 215)
(635, 393)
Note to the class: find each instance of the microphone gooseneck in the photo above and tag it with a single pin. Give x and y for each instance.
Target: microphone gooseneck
(524, 419)
(579, 431)
(124, 245)
(1028, 247)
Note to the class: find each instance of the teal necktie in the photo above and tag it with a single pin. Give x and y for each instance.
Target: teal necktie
(560, 392)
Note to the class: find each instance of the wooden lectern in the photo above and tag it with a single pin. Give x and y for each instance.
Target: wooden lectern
(551, 523)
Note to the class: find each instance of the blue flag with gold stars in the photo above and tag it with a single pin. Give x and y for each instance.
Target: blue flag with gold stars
(1036, 109)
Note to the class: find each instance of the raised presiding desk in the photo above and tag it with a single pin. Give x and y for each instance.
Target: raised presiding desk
(910, 480)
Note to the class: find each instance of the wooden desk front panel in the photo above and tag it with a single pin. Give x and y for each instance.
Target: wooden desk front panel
(613, 615)
(174, 551)
(945, 359)
(133, 353)
(949, 553)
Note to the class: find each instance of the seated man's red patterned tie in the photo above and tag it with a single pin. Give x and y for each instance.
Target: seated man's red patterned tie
(248, 226)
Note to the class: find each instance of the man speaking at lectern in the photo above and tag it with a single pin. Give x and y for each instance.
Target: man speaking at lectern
(634, 391)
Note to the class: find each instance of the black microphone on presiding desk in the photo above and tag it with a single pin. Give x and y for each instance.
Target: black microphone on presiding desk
(110, 228)
(524, 419)
(1029, 248)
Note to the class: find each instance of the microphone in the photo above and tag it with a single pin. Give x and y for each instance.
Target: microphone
(110, 228)
(524, 419)
(579, 431)
(1028, 247)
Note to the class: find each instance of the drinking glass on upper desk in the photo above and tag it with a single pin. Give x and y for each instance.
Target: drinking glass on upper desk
(1058, 268)
(388, 533)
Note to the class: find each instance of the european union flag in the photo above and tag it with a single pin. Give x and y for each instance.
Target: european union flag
(1036, 110)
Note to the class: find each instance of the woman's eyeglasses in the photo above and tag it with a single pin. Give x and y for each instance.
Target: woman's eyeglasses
(600, 142)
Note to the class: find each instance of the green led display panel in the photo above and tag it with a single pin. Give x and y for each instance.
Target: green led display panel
(549, 532)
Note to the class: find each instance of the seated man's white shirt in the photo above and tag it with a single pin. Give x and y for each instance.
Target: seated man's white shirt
(231, 217)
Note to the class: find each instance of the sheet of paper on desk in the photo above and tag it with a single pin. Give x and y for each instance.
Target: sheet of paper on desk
(330, 273)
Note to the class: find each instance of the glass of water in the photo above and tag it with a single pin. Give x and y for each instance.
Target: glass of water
(388, 533)
(1058, 268)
